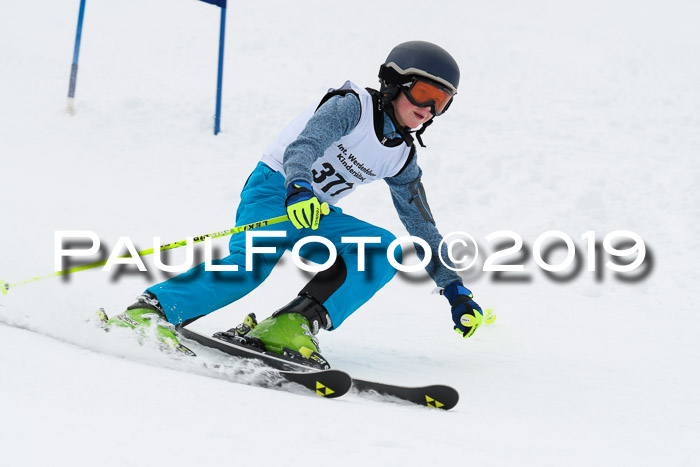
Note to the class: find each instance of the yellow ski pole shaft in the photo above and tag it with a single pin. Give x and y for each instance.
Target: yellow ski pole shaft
(6, 286)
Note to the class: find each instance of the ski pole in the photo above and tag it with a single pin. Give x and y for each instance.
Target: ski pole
(76, 53)
(6, 286)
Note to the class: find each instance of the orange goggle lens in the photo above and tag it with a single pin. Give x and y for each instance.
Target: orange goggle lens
(424, 94)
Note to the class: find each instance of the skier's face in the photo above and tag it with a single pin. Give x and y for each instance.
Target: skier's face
(409, 115)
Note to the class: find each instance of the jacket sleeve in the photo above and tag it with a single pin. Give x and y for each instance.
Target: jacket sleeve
(411, 204)
(335, 118)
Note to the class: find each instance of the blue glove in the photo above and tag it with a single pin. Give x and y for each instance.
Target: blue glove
(466, 313)
(303, 208)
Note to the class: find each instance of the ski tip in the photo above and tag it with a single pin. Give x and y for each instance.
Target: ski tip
(103, 319)
(338, 385)
(4, 286)
(441, 397)
(102, 314)
(489, 316)
(185, 350)
(328, 384)
(437, 396)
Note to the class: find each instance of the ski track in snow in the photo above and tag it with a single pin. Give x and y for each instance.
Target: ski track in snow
(575, 117)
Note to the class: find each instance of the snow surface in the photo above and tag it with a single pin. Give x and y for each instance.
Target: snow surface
(574, 116)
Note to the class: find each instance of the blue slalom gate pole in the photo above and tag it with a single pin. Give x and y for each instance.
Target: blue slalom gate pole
(220, 76)
(76, 53)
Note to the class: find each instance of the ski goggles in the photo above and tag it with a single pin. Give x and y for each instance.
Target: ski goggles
(424, 93)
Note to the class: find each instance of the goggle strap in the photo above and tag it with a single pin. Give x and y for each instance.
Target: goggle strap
(419, 133)
(394, 70)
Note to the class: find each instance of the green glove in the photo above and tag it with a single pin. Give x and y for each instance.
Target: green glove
(303, 208)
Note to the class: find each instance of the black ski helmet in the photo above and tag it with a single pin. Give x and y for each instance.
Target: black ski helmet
(418, 58)
(410, 60)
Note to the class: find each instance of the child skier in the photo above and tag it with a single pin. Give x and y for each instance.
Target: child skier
(353, 136)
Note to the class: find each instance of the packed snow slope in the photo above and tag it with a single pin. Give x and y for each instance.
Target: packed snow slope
(573, 116)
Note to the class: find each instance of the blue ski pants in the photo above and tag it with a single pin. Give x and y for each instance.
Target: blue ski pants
(198, 292)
